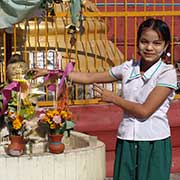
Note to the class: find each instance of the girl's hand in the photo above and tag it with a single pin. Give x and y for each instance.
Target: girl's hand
(37, 72)
(104, 94)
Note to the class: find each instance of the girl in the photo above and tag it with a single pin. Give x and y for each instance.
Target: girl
(143, 149)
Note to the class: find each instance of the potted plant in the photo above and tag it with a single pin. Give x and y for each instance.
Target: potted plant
(57, 121)
(18, 109)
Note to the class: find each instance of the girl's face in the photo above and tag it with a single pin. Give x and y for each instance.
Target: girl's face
(151, 46)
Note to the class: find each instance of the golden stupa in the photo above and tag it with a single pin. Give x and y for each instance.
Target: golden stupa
(92, 50)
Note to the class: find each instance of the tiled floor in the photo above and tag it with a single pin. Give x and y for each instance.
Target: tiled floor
(173, 177)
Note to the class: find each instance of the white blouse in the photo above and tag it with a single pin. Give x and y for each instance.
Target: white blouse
(136, 88)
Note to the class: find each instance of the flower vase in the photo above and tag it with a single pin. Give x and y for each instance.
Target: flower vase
(16, 146)
(54, 143)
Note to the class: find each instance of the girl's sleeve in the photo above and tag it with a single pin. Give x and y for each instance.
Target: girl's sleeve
(168, 78)
(117, 71)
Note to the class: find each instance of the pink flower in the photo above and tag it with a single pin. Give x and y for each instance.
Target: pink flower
(57, 119)
(42, 116)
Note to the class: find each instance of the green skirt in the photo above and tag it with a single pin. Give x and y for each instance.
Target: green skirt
(143, 160)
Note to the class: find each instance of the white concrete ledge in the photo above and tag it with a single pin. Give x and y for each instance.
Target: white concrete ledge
(83, 159)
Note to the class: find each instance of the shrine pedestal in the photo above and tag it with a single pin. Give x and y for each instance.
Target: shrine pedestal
(83, 159)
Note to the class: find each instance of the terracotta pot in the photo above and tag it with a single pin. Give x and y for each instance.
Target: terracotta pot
(54, 143)
(17, 146)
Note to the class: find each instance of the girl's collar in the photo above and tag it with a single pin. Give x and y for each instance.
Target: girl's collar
(147, 74)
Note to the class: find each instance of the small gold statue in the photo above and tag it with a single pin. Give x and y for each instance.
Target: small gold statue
(17, 68)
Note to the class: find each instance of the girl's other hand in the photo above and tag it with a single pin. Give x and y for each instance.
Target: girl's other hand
(104, 94)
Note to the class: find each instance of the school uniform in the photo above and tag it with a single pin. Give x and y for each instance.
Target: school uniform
(143, 149)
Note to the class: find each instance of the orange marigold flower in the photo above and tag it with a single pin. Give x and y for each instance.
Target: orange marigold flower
(49, 121)
(17, 124)
(53, 126)
(60, 125)
(46, 119)
(18, 117)
(50, 114)
(64, 114)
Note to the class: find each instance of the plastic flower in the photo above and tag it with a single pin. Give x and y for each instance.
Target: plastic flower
(52, 126)
(20, 109)
(64, 114)
(17, 123)
(55, 120)
(42, 115)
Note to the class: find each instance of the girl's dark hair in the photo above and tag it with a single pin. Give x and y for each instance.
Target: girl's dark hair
(157, 25)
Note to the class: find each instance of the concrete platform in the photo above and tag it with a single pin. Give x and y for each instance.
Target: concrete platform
(175, 176)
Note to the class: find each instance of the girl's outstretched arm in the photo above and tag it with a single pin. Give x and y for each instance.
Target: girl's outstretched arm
(88, 78)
